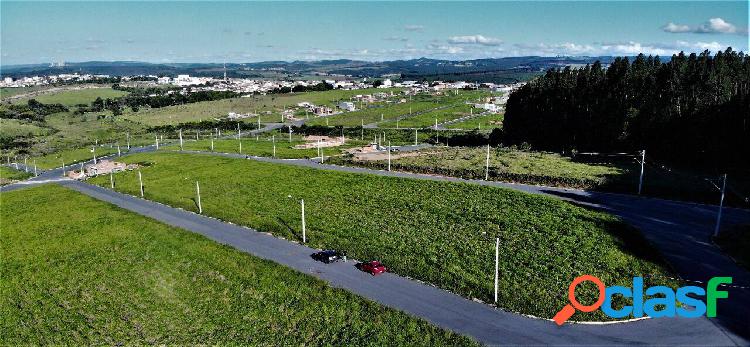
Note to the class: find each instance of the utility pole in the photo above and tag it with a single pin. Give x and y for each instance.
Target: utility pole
(25, 166)
(389, 155)
(304, 235)
(273, 139)
(212, 142)
(415, 136)
(643, 162)
(487, 164)
(140, 181)
(362, 131)
(239, 132)
(290, 134)
(128, 139)
(198, 197)
(118, 150)
(93, 149)
(157, 142)
(497, 265)
(180, 139)
(35, 173)
(63, 168)
(721, 206)
(111, 180)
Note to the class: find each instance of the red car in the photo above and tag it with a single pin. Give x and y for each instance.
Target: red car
(373, 267)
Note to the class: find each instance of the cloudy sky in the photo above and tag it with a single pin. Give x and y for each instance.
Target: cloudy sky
(35, 32)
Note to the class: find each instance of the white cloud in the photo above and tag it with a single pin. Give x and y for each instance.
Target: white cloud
(712, 26)
(716, 25)
(676, 28)
(475, 39)
(396, 38)
(614, 48)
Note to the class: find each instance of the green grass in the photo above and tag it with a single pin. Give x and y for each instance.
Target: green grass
(505, 165)
(72, 97)
(263, 147)
(427, 119)
(274, 103)
(482, 122)
(70, 156)
(9, 175)
(77, 271)
(439, 232)
(419, 103)
(11, 128)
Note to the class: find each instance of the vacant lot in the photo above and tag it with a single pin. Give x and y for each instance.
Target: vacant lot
(428, 119)
(482, 122)
(262, 147)
(274, 104)
(505, 165)
(11, 128)
(72, 97)
(70, 156)
(439, 232)
(82, 272)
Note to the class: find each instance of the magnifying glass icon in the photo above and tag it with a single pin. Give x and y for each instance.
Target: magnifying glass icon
(574, 305)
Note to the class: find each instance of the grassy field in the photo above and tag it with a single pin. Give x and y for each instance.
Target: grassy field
(274, 103)
(263, 147)
(418, 103)
(427, 119)
(74, 97)
(9, 175)
(439, 232)
(70, 156)
(482, 122)
(505, 165)
(11, 128)
(77, 271)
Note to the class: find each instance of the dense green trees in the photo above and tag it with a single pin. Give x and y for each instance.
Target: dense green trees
(692, 109)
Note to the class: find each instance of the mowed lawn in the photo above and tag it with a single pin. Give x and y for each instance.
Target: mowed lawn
(77, 271)
(439, 232)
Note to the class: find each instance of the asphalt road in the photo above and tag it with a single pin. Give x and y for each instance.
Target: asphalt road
(680, 230)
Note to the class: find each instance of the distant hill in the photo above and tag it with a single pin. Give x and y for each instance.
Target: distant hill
(482, 70)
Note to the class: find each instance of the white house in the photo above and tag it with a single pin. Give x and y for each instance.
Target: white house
(347, 105)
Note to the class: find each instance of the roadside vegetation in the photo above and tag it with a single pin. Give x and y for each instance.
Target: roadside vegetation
(439, 232)
(9, 175)
(77, 271)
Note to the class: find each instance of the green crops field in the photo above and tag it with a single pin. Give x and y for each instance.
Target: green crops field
(9, 175)
(77, 271)
(505, 165)
(482, 122)
(72, 97)
(439, 232)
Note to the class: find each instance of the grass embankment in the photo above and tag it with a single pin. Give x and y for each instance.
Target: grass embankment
(442, 233)
(486, 122)
(505, 165)
(77, 271)
(9, 175)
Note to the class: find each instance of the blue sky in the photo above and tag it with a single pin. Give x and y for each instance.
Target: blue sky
(37, 32)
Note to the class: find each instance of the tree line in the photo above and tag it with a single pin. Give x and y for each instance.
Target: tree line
(691, 109)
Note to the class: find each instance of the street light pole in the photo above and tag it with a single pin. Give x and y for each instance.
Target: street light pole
(721, 206)
(643, 162)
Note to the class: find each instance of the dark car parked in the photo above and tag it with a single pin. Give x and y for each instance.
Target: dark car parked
(328, 256)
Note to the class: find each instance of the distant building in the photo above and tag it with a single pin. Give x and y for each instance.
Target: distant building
(347, 106)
